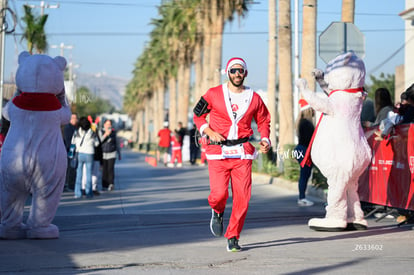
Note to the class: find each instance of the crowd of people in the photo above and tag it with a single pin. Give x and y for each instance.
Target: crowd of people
(389, 114)
(171, 146)
(92, 153)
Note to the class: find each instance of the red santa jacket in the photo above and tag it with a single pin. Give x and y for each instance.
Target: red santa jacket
(175, 143)
(221, 120)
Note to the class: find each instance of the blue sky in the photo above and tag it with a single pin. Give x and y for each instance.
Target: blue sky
(109, 35)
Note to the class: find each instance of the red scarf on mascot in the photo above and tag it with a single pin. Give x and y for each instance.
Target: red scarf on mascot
(37, 101)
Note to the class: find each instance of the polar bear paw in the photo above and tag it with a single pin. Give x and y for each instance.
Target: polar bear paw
(301, 84)
(318, 74)
(47, 232)
(324, 224)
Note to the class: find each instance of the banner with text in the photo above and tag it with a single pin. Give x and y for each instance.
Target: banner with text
(389, 179)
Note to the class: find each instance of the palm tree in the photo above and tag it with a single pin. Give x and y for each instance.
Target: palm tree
(220, 12)
(348, 10)
(179, 40)
(285, 76)
(308, 62)
(35, 31)
(165, 56)
(186, 38)
(272, 71)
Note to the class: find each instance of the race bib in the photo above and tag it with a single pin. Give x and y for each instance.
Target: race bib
(233, 152)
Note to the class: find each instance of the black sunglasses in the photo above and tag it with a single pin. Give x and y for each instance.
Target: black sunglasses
(234, 70)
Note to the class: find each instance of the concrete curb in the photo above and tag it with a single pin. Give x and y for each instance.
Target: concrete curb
(312, 191)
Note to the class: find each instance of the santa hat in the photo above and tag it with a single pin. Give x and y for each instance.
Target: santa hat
(303, 104)
(234, 61)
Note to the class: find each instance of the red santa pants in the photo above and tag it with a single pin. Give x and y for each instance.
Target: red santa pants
(176, 155)
(239, 172)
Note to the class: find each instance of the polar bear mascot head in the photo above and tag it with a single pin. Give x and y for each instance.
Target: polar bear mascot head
(40, 73)
(345, 71)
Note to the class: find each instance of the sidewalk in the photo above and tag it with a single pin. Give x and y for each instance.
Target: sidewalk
(311, 192)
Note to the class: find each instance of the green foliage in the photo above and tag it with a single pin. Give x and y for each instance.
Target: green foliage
(319, 180)
(384, 81)
(34, 33)
(291, 165)
(86, 104)
(265, 163)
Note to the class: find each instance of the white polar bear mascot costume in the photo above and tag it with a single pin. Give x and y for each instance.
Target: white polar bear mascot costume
(33, 158)
(340, 149)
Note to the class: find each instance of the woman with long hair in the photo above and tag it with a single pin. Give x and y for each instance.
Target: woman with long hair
(85, 140)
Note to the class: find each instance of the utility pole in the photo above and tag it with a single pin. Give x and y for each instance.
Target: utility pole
(44, 6)
(62, 46)
(69, 85)
(296, 62)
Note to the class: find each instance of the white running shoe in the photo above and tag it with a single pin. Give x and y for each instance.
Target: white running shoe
(305, 202)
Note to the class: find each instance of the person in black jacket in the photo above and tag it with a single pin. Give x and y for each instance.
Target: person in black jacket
(68, 131)
(194, 149)
(110, 149)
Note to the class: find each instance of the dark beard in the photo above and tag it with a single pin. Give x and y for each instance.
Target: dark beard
(234, 84)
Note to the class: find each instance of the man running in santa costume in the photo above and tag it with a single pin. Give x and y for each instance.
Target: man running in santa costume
(231, 108)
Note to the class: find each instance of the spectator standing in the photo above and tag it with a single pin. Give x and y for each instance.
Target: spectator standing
(383, 105)
(203, 143)
(164, 136)
(304, 130)
(194, 150)
(181, 131)
(5, 125)
(231, 108)
(404, 98)
(203, 158)
(110, 151)
(176, 153)
(403, 114)
(85, 140)
(367, 112)
(68, 131)
(97, 162)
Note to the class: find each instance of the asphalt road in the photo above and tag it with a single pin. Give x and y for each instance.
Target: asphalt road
(156, 221)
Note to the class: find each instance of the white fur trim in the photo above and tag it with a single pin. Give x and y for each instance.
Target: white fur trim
(203, 127)
(233, 132)
(267, 140)
(233, 61)
(217, 157)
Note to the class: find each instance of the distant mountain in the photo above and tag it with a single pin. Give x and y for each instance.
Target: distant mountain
(104, 86)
